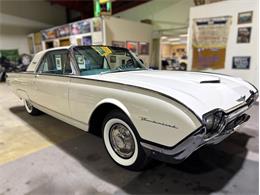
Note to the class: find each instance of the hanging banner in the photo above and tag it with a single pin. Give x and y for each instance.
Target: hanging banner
(209, 40)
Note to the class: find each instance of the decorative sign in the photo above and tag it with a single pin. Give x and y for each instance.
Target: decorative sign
(81, 27)
(245, 17)
(241, 62)
(209, 40)
(244, 34)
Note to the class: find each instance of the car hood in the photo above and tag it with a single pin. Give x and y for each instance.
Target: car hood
(201, 92)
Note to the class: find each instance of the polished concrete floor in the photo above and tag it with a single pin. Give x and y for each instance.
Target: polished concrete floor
(42, 155)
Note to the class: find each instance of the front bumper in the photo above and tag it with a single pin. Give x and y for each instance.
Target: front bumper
(234, 120)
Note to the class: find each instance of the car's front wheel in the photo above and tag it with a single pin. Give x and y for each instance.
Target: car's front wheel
(30, 109)
(121, 141)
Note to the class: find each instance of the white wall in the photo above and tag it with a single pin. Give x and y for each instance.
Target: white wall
(125, 30)
(165, 14)
(19, 18)
(232, 8)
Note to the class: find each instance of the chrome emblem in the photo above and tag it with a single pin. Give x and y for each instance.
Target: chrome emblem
(242, 98)
(158, 123)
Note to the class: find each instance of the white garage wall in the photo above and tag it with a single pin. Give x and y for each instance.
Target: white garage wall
(19, 18)
(165, 14)
(232, 8)
(125, 30)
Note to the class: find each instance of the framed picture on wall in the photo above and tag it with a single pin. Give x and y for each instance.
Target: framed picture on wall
(244, 34)
(87, 40)
(78, 41)
(97, 24)
(132, 46)
(245, 17)
(143, 48)
(118, 44)
(241, 62)
(80, 27)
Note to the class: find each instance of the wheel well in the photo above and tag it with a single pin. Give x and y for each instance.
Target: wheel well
(98, 116)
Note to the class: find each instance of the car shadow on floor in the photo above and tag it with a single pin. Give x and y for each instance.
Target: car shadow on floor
(207, 170)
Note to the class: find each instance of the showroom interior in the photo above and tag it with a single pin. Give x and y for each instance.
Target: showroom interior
(45, 155)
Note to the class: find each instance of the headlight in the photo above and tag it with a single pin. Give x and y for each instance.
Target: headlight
(214, 121)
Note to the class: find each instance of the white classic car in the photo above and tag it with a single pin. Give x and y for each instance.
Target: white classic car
(140, 113)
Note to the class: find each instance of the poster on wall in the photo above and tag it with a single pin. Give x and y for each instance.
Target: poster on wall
(97, 24)
(48, 34)
(87, 40)
(245, 17)
(118, 44)
(143, 48)
(243, 34)
(80, 27)
(241, 62)
(209, 40)
(78, 40)
(132, 46)
(63, 31)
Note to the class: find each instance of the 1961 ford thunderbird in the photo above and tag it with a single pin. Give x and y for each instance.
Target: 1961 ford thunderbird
(140, 113)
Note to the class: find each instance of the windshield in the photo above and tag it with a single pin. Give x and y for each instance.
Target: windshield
(93, 60)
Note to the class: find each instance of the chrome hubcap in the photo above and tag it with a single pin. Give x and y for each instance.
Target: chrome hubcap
(121, 140)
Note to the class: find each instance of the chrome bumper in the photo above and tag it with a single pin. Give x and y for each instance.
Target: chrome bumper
(233, 121)
(193, 142)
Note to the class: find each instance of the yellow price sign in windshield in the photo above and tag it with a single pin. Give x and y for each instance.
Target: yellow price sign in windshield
(103, 51)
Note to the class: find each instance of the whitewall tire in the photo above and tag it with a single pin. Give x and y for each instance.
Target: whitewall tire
(121, 141)
(30, 109)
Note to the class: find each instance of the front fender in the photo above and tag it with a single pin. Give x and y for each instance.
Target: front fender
(114, 102)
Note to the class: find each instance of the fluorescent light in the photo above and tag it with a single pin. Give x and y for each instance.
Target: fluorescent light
(175, 43)
(184, 35)
(174, 39)
(164, 37)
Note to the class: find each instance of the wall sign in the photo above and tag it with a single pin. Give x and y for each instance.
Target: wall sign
(241, 62)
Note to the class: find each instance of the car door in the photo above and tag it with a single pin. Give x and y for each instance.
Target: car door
(52, 81)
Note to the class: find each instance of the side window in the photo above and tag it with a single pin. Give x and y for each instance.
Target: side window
(56, 62)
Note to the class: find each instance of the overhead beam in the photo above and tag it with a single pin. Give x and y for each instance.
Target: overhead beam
(86, 7)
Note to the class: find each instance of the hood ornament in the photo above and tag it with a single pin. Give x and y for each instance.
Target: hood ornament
(241, 99)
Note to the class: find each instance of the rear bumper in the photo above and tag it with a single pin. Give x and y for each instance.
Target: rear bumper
(176, 154)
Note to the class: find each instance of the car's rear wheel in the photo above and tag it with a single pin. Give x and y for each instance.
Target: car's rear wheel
(30, 109)
(121, 141)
